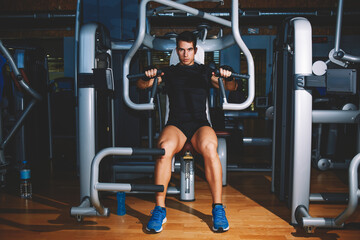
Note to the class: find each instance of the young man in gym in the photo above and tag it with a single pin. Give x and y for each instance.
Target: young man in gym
(187, 86)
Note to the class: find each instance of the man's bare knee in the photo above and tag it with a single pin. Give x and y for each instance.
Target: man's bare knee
(209, 149)
(169, 148)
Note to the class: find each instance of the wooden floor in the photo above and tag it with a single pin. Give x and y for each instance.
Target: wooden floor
(252, 210)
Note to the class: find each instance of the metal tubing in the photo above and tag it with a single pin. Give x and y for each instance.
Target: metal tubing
(96, 186)
(236, 168)
(209, 45)
(17, 73)
(121, 45)
(162, 8)
(94, 195)
(222, 152)
(338, 25)
(257, 141)
(249, 59)
(18, 123)
(353, 191)
(10, 59)
(351, 58)
(222, 90)
(319, 222)
(86, 129)
(303, 46)
(354, 194)
(86, 211)
(236, 34)
(29, 90)
(192, 11)
(117, 187)
(173, 190)
(304, 218)
(338, 54)
(255, 13)
(87, 48)
(140, 40)
(38, 16)
(76, 48)
(300, 213)
(329, 197)
(335, 116)
(302, 117)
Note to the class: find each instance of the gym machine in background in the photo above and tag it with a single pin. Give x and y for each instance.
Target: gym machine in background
(26, 145)
(96, 79)
(294, 116)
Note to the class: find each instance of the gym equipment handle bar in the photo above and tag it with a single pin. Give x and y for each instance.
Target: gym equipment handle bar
(233, 24)
(120, 187)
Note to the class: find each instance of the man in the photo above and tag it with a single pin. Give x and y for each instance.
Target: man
(187, 86)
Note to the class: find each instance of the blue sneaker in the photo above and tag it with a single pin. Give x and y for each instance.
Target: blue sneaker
(220, 222)
(157, 219)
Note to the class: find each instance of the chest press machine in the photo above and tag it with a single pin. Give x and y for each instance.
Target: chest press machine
(209, 45)
(95, 72)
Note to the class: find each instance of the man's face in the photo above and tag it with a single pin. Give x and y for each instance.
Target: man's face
(186, 53)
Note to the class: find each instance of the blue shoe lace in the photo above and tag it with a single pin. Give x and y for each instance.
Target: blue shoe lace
(156, 215)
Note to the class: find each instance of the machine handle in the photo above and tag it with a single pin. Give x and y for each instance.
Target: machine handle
(221, 84)
(142, 75)
(233, 74)
(154, 86)
(148, 151)
(147, 188)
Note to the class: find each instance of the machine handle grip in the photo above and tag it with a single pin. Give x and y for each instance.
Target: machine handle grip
(233, 74)
(147, 188)
(241, 76)
(148, 151)
(142, 75)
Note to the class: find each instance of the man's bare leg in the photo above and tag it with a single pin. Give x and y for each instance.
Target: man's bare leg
(172, 140)
(205, 142)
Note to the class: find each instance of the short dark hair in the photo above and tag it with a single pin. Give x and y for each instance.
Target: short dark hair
(186, 36)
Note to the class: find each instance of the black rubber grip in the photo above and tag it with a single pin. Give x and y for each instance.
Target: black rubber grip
(147, 188)
(148, 151)
(237, 75)
(241, 114)
(212, 66)
(142, 75)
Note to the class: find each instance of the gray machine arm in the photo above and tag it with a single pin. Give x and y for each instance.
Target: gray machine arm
(155, 43)
(18, 75)
(85, 208)
(339, 54)
(123, 187)
(307, 221)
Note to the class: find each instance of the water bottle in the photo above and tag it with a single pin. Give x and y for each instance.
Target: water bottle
(25, 181)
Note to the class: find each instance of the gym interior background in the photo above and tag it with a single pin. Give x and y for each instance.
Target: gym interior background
(45, 33)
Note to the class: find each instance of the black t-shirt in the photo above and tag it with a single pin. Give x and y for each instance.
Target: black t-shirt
(187, 88)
